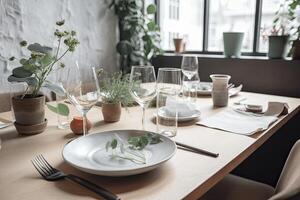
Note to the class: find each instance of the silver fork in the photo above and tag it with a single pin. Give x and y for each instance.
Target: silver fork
(49, 173)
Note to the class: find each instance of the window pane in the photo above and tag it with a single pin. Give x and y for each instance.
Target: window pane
(231, 15)
(269, 7)
(181, 18)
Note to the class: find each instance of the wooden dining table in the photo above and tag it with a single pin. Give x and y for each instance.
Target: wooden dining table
(186, 175)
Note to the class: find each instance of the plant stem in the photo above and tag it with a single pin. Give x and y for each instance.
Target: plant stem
(58, 47)
(51, 65)
(143, 117)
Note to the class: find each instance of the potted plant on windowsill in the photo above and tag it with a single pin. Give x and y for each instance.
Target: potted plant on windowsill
(115, 94)
(294, 12)
(286, 29)
(279, 37)
(29, 108)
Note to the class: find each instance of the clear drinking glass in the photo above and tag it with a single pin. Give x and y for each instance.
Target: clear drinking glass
(191, 87)
(63, 122)
(143, 86)
(168, 90)
(189, 67)
(84, 92)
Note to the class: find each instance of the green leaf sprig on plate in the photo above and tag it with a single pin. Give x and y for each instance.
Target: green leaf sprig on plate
(132, 149)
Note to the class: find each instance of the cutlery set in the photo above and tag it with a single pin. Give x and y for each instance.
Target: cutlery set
(49, 173)
(196, 150)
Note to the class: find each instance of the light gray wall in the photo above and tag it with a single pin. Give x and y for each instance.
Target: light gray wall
(34, 21)
(257, 74)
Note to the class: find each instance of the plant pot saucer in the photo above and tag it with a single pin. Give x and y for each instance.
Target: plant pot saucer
(31, 129)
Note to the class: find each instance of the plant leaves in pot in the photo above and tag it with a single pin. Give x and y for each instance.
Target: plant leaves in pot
(296, 50)
(115, 93)
(29, 108)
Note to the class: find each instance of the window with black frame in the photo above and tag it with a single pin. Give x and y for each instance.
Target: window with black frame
(201, 23)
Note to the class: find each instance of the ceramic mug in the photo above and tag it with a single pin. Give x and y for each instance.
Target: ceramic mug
(220, 92)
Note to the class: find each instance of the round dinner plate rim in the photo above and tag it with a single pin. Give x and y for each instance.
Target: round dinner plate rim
(103, 171)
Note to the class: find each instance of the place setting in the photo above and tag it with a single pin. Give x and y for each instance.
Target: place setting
(129, 152)
(243, 117)
(149, 100)
(120, 153)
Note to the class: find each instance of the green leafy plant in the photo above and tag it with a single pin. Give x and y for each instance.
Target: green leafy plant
(132, 149)
(115, 88)
(294, 13)
(139, 34)
(35, 69)
(286, 21)
(61, 109)
(280, 20)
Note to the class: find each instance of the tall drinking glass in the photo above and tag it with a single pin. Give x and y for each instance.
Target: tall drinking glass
(168, 90)
(84, 92)
(191, 87)
(63, 122)
(189, 67)
(143, 86)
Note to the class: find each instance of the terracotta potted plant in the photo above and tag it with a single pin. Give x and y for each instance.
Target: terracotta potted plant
(115, 94)
(179, 44)
(29, 108)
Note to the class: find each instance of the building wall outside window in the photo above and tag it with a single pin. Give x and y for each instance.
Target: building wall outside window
(184, 18)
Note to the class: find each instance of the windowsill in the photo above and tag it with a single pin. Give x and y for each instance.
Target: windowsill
(223, 57)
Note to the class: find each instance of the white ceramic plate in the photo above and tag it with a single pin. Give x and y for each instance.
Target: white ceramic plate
(206, 87)
(88, 154)
(194, 116)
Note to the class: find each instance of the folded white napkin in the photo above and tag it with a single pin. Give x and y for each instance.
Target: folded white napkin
(184, 108)
(243, 122)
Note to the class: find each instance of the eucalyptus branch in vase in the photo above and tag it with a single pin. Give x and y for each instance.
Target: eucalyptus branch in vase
(35, 69)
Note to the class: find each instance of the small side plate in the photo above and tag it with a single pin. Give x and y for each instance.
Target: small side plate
(194, 116)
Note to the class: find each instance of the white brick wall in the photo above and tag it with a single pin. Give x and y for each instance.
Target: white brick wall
(34, 21)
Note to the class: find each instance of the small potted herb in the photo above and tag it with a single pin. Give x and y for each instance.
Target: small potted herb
(29, 108)
(115, 94)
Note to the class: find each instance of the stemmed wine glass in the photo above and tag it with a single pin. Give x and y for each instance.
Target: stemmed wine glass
(143, 86)
(189, 67)
(84, 90)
